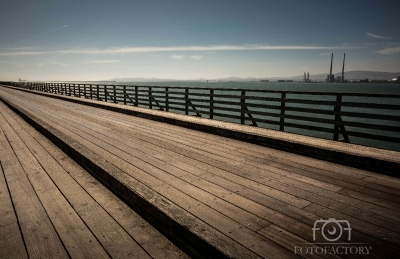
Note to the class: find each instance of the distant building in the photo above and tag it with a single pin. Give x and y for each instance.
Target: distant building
(306, 78)
(281, 81)
(264, 81)
(330, 78)
(290, 80)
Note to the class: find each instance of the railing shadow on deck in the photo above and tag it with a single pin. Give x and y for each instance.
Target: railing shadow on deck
(324, 114)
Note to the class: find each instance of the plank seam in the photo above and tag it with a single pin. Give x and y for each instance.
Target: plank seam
(15, 212)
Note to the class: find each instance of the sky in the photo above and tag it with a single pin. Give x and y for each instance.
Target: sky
(186, 39)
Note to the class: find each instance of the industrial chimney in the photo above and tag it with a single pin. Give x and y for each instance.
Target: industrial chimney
(330, 77)
(344, 58)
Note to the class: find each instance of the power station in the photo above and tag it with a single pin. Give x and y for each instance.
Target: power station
(331, 78)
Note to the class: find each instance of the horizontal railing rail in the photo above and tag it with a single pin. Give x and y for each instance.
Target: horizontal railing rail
(350, 115)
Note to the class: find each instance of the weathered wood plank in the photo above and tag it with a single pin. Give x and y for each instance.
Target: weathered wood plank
(383, 242)
(149, 238)
(262, 246)
(109, 233)
(11, 242)
(290, 241)
(76, 238)
(188, 165)
(148, 201)
(315, 190)
(40, 237)
(240, 174)
(170, 177)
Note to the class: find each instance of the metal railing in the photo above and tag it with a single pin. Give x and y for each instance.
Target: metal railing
(352, 115)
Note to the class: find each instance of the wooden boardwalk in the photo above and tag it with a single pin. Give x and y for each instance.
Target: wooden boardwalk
(211, 195)
(52, 208)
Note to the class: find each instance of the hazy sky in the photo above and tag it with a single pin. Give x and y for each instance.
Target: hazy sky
(187, 39)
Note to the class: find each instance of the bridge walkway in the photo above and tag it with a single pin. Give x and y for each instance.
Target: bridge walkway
(52, 208)
(218, 195)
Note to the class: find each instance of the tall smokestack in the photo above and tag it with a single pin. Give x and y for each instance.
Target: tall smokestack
(344, 58)
(330, 73)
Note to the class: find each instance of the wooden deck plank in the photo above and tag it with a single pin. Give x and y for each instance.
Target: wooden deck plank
(40, 237)
(367, 189)
(75, 236)
(304, 162)
(287, 239)
(11, 242)
(148, 237)
(384, 242)
(210, 235)
(305, 194)
(262, 246)
(126, 154)
(198, 176)
(238, 146)
(108, 232)
(190, 164)
(7, 213)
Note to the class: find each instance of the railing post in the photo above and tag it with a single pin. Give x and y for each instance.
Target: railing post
(91, 92)
(166, 99)
(136, 96)
(150, 104)
(115, 94)
(98, 92)
(124, 94)
(211, 103)
(282, 120)
(242, 107)
(186, 101)
(84, 91)
(105, 93)
(337, 109)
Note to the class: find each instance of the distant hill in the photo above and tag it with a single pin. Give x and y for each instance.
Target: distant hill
(348, 75)
(141, 79)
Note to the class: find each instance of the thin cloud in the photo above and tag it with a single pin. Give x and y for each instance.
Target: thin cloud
(376, 36)
(196, 57)
(101, 61)
(148, 49)
(389, 51)
(12, 63)
(59, 64)
(179, 57)
(41, 34)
